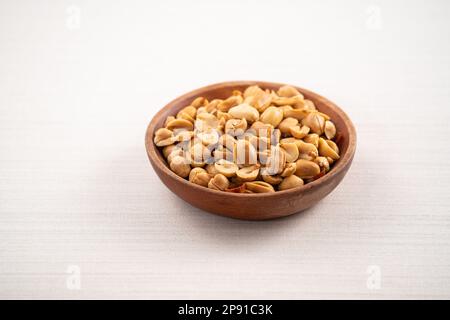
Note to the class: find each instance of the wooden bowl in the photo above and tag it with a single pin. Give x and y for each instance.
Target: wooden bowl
(260, 206)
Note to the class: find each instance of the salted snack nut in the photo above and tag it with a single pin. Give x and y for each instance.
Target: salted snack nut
(223, 153)
(164, 137)
(180, 124)
(291, 101)
(333, 145)
(206, 121)
(187, 113)
(286, 125)
(248, 173)
(306, 169)
(323, 163)
(182, 136)
(176, 152)
(326, 150)
(290, 182)
(288, 91)
(259, 187)
(315, 121)
(180, 166)
(272, 179)
(199, 176)
(168, 149)
(168, 119)
(199, 155)
(312, 138)
(291, 151)
(289, 169)
(209, 137)
(244, 153)
(253, 141)
(211, 169)
(272, 116)
(307, 151)
(299, 132)
(258, 98)
(199, 102)
(236, 127)
(229, 103)
(276, 161)
(330, 129)
(298, 114)
(219, 182)
(227, 168)
(245, 111)
(262, 129)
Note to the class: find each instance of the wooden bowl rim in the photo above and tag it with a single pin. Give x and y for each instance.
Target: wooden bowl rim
(336, 170)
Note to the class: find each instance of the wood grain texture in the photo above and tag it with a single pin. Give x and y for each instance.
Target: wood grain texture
(76, 188)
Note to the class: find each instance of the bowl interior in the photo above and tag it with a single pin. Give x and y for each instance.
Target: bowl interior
(345, 138)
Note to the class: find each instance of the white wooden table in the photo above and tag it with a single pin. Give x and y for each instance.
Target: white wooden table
(83, 215)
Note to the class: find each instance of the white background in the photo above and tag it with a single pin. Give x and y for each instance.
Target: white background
(79, 82)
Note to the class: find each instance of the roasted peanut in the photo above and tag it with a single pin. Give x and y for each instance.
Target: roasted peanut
(330, 129)
(315, 122)
(307, 151)
(323, 163)
(283, 101)
(326, 150)
(288, 91)
(180, 124)
(299, 133)
(250, 141)
(228, 103)
(286, 125)
(168, 149)
(169, 118)
(298, 114)
(199, 102)
(236, 127)
(244, 152)
(290, 182)
(211, 169)
(259, 187)
(312, 138)
(176, 152)
(227, 168)
(209, 136)
(272, 179)
(164, 137)
(306, 169)
(199, 176)
(258, 98)
(245, 111)
(262, 129)
(219, 182)
(180, 166)
(199, 155)
(309, 105)
(291, 151)
(289, 169)
(187, 113)
(272, 116)
(206, 121)
(248, 173)
(276, 161)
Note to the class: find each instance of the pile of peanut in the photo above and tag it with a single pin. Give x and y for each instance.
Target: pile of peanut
(251, 142)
